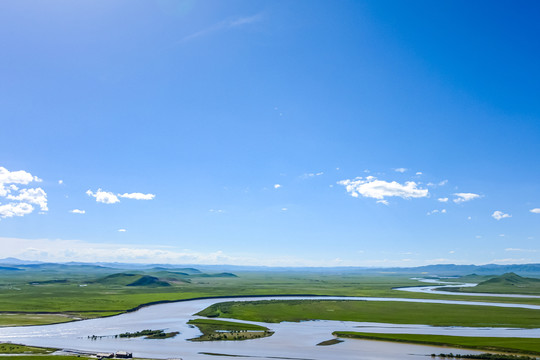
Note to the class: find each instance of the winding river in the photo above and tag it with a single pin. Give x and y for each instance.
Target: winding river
(292, 341)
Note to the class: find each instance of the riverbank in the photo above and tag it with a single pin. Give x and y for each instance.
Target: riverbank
(528, 346)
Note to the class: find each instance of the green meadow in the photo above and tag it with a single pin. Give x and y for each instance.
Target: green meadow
(274, 311)
(516, 345)
(52, 293)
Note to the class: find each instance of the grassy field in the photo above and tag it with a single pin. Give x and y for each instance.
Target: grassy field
(372, 311)
(516, 345)
(214, 330)
(8, 348)
(46, 357)
(31, 353)
(65, 292)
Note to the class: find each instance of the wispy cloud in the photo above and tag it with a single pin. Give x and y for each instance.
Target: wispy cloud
(76, 250)
(217, 211)
(520, 250)
(310, 175)
(246, 20)
(535, 211)
(464, 197)
(137, 196)
(223, 25)
(78, 211)
(443, 211)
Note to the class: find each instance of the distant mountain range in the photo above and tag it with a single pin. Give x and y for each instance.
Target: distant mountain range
(13, 264)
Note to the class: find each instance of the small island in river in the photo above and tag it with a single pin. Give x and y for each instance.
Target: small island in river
(214, 330)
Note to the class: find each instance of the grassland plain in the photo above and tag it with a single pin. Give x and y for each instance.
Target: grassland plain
(8, 348)
(516, 345)
(273, 311)
(15, 351)
(46, 357)
(59, 294)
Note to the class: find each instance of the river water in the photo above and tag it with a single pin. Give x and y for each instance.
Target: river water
(436, 290)
(293, 341)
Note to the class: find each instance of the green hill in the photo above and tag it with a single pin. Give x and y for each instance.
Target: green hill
(147, 280)
(224, 274)
(118, 279)
(510, 283)
(127, 279)
(189, 271)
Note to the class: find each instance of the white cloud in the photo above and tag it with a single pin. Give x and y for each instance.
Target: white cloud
(419, 173)
(400, 170)
(105, 197)
(137, 196)
(443, 211)
(16, 177)
(469, 218)
(535, 211)
(464, 197)
(284, 209)
(122, 230)
(77, 211)
(385, 202)
(33, 196)
(25, 197)
(60, 182)
(379, 189)
(498, 215)
(219, 211)
(443, 199)
(15, 209)
(277, 186)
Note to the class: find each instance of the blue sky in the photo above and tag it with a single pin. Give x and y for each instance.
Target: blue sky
(288, 133)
